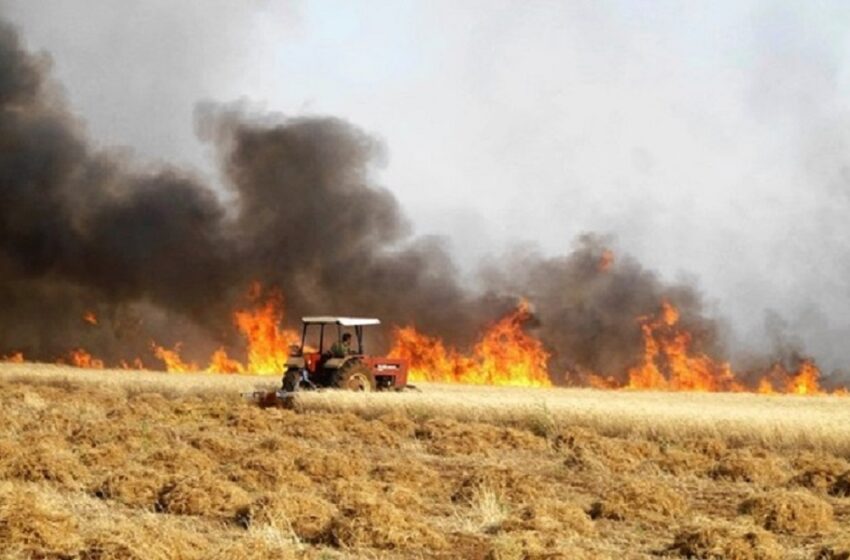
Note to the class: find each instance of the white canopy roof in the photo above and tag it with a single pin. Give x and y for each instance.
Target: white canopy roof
(344, 321)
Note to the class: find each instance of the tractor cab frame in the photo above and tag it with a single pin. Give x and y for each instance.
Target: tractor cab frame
(322, 322)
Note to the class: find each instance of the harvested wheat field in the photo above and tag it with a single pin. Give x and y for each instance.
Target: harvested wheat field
(101, 465)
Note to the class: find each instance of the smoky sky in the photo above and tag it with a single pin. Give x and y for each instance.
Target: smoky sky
(709, 143)
(156, 253)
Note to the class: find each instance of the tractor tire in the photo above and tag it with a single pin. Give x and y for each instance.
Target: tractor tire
(292, 380)
(355, 377)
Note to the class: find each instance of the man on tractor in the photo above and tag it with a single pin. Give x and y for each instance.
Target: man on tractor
(342, 348)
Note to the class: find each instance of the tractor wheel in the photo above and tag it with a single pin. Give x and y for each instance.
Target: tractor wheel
(292, 380)
(355, 377)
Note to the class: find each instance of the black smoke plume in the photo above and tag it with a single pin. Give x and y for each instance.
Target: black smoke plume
(161, 257)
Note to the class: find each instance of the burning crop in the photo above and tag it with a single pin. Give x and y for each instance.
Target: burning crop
(670, 363)
(90, 317)
(266, 342)
(81, 358)
(14, 358)
(505, 355)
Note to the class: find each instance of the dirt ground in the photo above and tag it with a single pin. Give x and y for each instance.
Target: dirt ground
(135, 470)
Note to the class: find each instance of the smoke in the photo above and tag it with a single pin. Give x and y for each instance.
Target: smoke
(311, 220)
(80, 228)
(588, 304)
(160, 255)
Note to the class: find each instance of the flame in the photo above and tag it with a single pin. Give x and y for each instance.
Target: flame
(505, 355)
(428, 357)
(82, 359)
(804, 381)
(268, 344)
(670, 363)
(606, 261)
(135, 364)
(220, 362)
(14, 358)
(764, 387)
(174, 363)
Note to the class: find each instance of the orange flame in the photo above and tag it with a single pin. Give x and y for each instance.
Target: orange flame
(670, 363)
(268, 344)
(173, 361)
(505, 355)
(135, 364)
(82, 359)
(606, 261)
(220, 362)
(804, 381)
(14, 358)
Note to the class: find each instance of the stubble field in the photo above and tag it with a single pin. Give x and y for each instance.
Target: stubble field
(107, 464)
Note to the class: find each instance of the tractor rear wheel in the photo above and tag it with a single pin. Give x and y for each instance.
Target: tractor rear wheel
(292, 380)
(355, 377)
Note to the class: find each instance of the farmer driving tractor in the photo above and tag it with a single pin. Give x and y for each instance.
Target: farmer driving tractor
(342, 348)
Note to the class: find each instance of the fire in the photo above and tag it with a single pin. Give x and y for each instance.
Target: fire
(505, 355)
(606, 261)
(268, 344)
(82, 359)
(669, 361)
(14, 358)
(135, 364)
(173, 361)
(804, 381)
(428, 357)
(220, 362)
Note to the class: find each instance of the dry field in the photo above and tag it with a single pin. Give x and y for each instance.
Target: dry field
(102, 465)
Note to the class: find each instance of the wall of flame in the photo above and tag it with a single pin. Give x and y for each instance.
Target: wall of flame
(506, 353)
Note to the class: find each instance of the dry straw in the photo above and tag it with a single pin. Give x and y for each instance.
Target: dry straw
(108, 465)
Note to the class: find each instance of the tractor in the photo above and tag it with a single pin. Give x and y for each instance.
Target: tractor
(311, 367)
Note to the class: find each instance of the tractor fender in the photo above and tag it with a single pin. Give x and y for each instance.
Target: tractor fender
(336, 363)
(295, 362)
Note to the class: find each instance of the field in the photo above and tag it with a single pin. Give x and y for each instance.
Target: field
(109, 464)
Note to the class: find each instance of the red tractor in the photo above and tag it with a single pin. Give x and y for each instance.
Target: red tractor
(344, 366)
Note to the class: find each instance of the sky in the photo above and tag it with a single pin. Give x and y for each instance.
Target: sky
(710, 139)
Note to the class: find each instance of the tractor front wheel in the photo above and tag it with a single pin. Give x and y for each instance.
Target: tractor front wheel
(355, 377)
